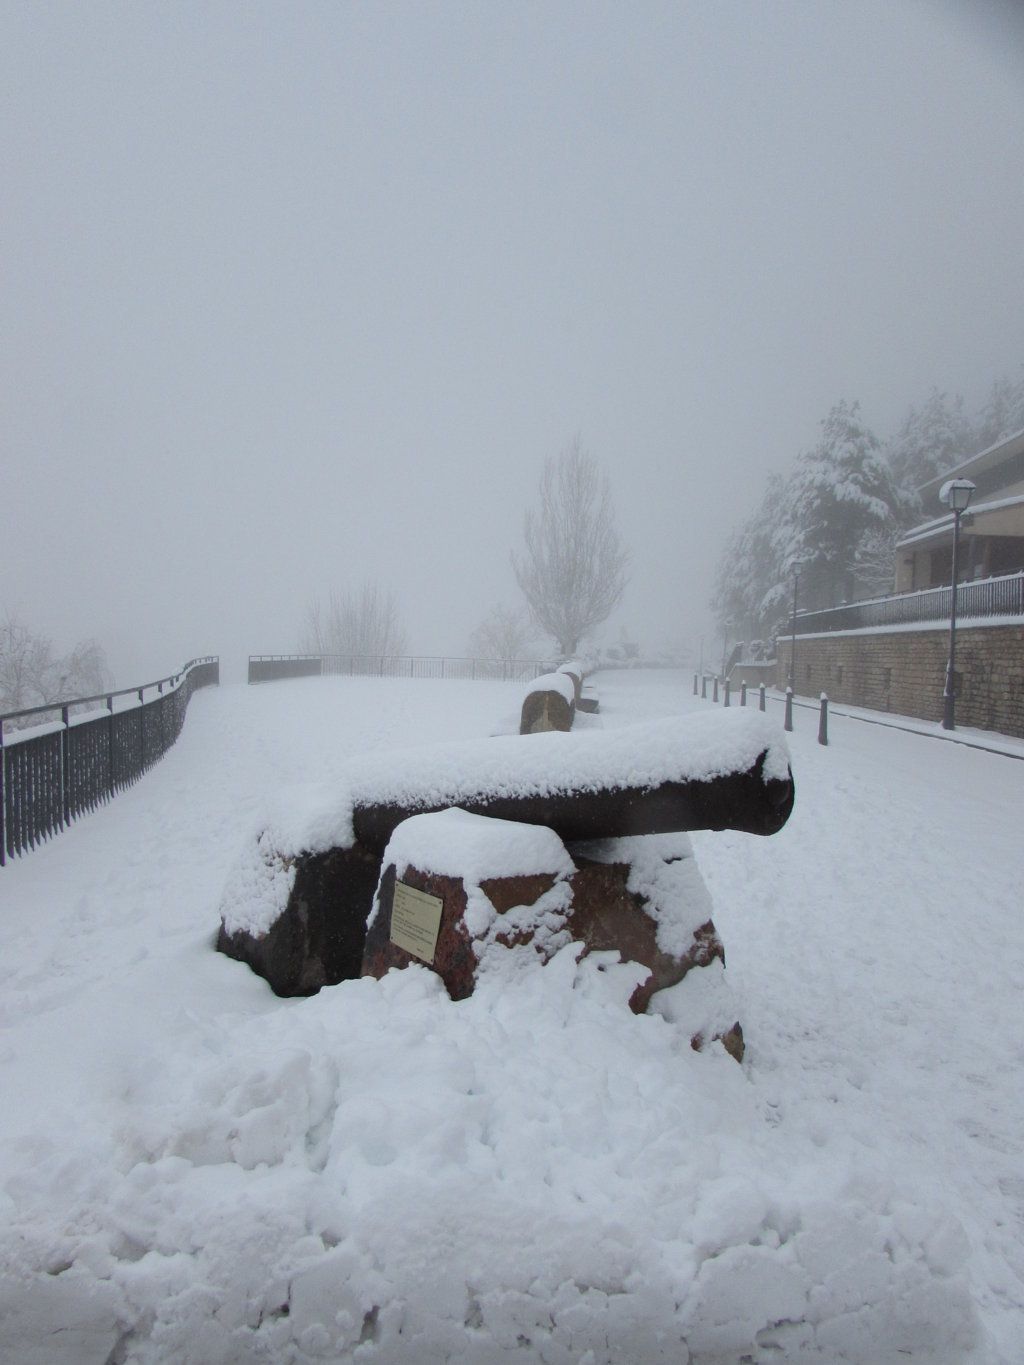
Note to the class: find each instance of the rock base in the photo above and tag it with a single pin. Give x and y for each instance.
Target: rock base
(319, 939)
(544, 908)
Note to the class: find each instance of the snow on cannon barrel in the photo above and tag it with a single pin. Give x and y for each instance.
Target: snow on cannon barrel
(549, 703)
(297, 907)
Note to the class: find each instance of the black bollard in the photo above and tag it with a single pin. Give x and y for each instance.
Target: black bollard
(743, 694)
(714, 694)
(704, 686)
(788, 725)
(823, 721)
(695, 684)
(725, 689)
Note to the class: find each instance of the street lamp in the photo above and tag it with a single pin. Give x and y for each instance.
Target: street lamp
(956, 494)
(796, 566)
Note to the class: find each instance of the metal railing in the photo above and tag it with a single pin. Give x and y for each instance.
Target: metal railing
(273, 667)
(984, 597)
(72, 758)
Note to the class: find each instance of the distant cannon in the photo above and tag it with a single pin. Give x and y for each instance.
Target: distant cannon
(726, 770)
(549, 704)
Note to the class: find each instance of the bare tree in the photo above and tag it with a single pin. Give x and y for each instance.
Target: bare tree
(572, 572)
(363, 622)
(32, 675)
(505, 634)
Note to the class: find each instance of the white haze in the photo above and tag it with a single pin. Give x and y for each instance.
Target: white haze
(297, 295)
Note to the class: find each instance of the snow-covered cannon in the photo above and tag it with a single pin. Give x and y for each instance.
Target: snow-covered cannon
(549, 703)
(297, 908)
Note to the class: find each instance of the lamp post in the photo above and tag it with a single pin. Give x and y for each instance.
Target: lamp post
(956, 494)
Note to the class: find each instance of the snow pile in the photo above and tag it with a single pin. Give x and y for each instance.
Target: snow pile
(193, 1170)
(377, 1174)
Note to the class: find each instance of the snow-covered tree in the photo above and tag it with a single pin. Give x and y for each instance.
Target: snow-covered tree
(31, 674)
(931, 440)
(841, 489)
(572, 572)
(750, 583)
(361, 623)
(1003, 412)
(874, 562)
(505, 634)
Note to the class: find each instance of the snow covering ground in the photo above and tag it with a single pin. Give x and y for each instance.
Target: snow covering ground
(192, 1170)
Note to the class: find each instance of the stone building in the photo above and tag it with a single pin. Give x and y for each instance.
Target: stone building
(890, 653)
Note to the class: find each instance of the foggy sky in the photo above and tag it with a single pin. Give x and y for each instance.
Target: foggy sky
(295, 295)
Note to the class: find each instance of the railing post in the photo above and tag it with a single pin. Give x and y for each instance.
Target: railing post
(761, 699)
(823, 721)
(65, 767)
(3, 799)
(110, 744)
(789, 709)
(142, 734)
(725, 693)
(714, 695)
(743, 693)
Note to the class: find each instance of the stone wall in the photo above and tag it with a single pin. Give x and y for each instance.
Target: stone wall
(904, 671)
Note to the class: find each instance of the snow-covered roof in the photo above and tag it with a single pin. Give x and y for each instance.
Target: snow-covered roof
(940, 526)
(1004, 449)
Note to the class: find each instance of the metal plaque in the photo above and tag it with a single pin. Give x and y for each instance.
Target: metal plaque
(415, 921)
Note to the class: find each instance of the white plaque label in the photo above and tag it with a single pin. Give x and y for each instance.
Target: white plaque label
(415, 921)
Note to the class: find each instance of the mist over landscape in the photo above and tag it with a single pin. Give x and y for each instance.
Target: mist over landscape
(588, 932)
(297, 298)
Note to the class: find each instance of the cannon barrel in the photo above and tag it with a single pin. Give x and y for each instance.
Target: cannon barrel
(725, 770)
(744, 801)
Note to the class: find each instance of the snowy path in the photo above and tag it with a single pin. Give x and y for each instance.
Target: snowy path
(181, 1154)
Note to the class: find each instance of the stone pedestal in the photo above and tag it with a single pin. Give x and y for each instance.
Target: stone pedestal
(640, 897)
(318, 940)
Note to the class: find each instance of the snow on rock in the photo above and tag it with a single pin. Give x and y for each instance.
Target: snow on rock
(664, 873)
(257, 892)
(475, 848)
(511, 896)
(702, 1005)
(505, 894)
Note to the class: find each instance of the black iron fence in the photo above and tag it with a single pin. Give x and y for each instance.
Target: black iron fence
(59, 761)
(273, 667)
(986, 597)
